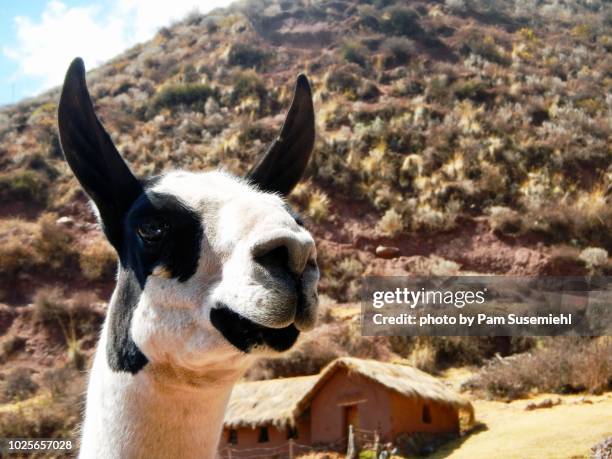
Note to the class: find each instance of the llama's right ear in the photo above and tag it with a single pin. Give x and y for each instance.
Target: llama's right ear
(283, 165)
(93, 158)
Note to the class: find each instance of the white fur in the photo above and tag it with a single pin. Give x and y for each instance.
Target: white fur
(174, 406)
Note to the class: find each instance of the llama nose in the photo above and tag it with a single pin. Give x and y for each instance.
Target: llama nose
(288, 252)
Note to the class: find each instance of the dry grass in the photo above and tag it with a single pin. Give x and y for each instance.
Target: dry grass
(23, 185)
(564, 431)
(53, 413)
(563, 365)
(98, 261)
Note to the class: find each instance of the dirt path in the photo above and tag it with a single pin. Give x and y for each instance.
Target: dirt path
(564, 431)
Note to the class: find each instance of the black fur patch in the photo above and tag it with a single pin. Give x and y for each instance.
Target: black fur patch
(178, 252)
(121, 351)
(245, 334)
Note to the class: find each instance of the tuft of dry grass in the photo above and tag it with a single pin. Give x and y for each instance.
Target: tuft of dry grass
(318, 206)
(98, 261)
(391, 223)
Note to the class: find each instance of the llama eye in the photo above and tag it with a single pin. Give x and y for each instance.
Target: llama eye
(152, 230)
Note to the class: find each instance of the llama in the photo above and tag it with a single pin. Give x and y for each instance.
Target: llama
(214, 270)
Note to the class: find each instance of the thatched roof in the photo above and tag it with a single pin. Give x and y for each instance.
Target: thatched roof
(280, 401)
(273, 401)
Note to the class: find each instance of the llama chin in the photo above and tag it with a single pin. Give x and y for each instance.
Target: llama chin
(213, 270)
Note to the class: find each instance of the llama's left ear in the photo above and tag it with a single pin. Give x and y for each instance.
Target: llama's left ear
(283, 165)
(91, 155)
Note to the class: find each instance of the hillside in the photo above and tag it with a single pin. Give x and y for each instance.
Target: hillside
(474, 136)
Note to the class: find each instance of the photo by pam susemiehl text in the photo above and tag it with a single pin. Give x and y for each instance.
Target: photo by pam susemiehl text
(486, 306)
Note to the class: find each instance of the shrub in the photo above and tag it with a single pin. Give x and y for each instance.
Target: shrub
(342, 79)
(15, 257)
(18, 385)
(402, 20)
(355, 53)
(340, 275)
(54, 244)
(23, 185)
(318, 206)
(397, 51)
(247, 55)
(171, 96)
(594, 257)
(41, 423)
(504, 220)
(12, 345)
(391, 224)
(485, 47)
(564, 365)
(248, 84)
(49, 306)
(98, 261)
(435, 353)
(55, 418)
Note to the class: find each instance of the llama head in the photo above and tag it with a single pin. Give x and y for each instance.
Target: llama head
(212, 268)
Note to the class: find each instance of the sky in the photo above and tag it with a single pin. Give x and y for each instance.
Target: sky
(39, 38)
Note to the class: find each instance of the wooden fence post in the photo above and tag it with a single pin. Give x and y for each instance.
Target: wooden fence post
(351, 449)
(377, 443)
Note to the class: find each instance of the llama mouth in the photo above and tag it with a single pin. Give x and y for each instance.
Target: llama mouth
(245, 334)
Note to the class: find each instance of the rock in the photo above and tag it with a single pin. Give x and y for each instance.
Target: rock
(547, 403)
(387, 252)
(65, 221)
(521, 256)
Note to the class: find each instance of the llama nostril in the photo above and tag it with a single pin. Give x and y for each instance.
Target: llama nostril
(287, 252)
(278, 257)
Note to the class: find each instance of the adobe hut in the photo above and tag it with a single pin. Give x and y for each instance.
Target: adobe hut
(317, 410)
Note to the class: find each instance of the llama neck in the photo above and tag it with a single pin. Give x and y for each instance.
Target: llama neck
(155, 413)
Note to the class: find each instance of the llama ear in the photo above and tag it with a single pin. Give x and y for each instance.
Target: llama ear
(281, 168)
(91, 155)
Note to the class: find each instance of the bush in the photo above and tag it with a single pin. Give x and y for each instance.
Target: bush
(192, 95)
(391, 224)
(403, 20)
(397, 51)
(248, 84)
(247, 56)
(15, 257)
(340, 275)
(54, 244)
(98, 261)
(75, 317)
(56, 418)
(485, 47)
(49, 306)
(342, 79)
(11, 346)
(18, 385)
(355, 53)
(565, 365)
(318, 206)
(23, 185)
(435, 353)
